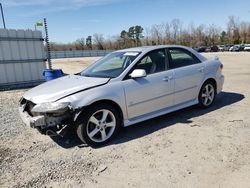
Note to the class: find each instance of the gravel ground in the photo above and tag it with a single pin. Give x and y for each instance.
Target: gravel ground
(188, 148)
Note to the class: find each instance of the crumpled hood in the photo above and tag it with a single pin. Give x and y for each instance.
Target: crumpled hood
(61, 87)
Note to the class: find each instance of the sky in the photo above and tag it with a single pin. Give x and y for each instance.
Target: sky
(69, 20)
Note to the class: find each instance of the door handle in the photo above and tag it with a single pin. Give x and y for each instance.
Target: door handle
(167, 78)
(201, 69)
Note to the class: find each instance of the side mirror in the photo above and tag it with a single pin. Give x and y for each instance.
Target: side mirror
(138, 73)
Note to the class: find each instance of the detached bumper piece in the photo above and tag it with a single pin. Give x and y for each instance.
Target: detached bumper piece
(45, 123)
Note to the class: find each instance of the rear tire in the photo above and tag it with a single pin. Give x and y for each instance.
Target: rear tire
(207, 94)
(98, 125)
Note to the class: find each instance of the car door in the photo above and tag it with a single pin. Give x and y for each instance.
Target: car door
(188, 74)
(153, 92)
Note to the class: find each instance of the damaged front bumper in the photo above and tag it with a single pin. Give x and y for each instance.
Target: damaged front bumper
(51, 124)
(37, 121)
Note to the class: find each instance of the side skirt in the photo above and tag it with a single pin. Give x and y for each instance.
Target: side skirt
(160, 112)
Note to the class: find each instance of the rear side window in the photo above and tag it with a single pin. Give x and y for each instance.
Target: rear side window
(181, 58)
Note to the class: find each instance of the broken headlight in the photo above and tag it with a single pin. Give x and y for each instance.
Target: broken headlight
(53, 107)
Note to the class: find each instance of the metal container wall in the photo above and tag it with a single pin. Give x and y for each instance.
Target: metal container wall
(22, 58)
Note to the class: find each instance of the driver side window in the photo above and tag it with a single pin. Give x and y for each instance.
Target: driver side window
(153, 62)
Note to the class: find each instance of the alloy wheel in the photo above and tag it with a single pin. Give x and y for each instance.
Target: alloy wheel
(208, 94)
(101, 125)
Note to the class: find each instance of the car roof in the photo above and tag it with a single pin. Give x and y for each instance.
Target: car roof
(145, 49)
(149, 48)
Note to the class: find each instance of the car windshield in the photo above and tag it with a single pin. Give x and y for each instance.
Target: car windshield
(111, 65)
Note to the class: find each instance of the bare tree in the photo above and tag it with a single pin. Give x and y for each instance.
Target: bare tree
(167, 33)
(147, 38)
(157, 33)
(213, 34)
(80, 43)
(248, 34)
(192, 37)
(176, 27)
(185, 38)
(200, 34)
(243, 31)
(99, 41)
(233, 30)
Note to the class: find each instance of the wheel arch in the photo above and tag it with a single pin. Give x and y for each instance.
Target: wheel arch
(103, 101)
(110, 102)
(213, 81)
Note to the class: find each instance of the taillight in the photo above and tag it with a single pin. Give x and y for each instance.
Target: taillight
(221, 66)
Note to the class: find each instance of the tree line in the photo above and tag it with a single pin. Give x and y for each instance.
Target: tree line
(173, 32)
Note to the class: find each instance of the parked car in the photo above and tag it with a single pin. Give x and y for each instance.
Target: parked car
(200, 49)
(208, 49)
(227, 47)
(247, 47)
(221, 48)
(125, 87)
(237, 48)
(214, 48)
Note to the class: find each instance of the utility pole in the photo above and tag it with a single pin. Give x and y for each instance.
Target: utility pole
(2, 16)
(47, 43)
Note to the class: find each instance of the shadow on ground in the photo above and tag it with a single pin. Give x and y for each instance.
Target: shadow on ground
(148, 127)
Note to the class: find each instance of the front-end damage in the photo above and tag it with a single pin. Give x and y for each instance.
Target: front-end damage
(48, 118)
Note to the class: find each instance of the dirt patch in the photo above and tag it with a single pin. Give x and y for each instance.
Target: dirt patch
(73, 65)
(4, 155)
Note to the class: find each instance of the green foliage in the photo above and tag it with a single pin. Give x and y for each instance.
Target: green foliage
(223, 36)
(132, 37)
(123, 34)
(138, 32)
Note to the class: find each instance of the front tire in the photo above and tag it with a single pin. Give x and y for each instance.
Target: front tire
(98, 125)
(207, 94)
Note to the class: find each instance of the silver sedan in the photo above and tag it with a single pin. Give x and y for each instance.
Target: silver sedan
(123, 88)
